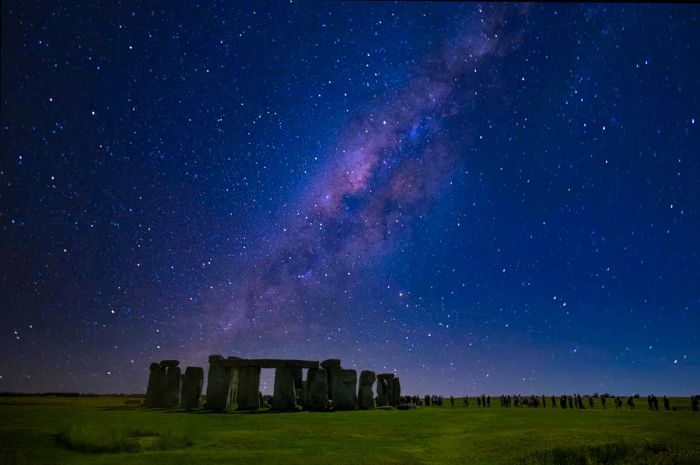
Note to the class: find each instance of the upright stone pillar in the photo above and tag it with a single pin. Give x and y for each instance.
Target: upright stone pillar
(157, 382)
(192, 383)
(385, 385)
(249, 388)
(396, 392)
(345, 390)
(331, 366)
(172, 398)
(285, 397)
(365, 395)
(316, 389)
(218, 384)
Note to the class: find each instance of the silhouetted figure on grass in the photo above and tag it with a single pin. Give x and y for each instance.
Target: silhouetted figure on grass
(618, 402)
(562, 402)
(427, 401)
(554, 402)
(667, 404)
(590, 401)
(650, 402)
(488, 401)
(694, 401)
(452, 401)
(478, 401)
(466, 400)
(571, 402)
(603, 399)
(630, 402)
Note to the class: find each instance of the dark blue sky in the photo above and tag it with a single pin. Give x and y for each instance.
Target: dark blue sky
(484, 198)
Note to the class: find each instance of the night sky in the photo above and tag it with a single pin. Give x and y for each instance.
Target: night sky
(482, 198)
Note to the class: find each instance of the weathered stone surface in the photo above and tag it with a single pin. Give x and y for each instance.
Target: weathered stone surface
(396, 392)
(171, 397)
(316, 389)
(345, 390)
(298, 375)
(192, 383)
(236, 362)
(169, 363)
(365, 395)
(216, 358)
(385, 386)
(302, 394)
(302, 363)
(157, 384)
(218, 385)
(331, 366)
(249, 388)
(330, 363)
(284, 397)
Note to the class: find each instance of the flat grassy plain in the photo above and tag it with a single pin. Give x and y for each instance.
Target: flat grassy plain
(112, 430)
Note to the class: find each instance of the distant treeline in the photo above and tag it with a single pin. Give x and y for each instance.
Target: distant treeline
(64, 394)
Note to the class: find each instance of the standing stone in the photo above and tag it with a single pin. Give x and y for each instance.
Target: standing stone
(285, 396)
(385, 385)
(298, 375)
(218, 384)
(316, 389)
(302, 394)
(249, 388)
(157, 384)
(345, 390)
(331, 366)
(192, 382)
(171, 398)
(396, 392)
(365, 395)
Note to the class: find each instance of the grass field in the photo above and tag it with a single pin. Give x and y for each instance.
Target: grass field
(108, 430)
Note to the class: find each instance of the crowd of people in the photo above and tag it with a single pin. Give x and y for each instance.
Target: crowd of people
(575, 401)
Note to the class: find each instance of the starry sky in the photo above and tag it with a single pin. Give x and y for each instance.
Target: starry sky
(481, 198)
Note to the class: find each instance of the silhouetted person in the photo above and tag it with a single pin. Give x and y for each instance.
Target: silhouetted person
(452, 401)
(466, 401)
(694, 401)
(488, 401)
(630, 402)
(590, 401)
(667, 404)
(478, 401)
(603, 399)
(554, 402)
(571, 402)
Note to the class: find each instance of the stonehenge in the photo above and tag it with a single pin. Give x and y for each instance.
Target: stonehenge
(316, 389)
(192, 382)
(164, 384)
(385, 387)
(345, 390)
(284, 398)
(396, 392)
(219, 384)
(365, 396)
(234, 383)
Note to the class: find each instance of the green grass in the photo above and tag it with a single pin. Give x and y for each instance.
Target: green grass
(106, 430)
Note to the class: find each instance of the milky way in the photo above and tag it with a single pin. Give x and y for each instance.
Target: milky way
(386, 168)
(495, 198)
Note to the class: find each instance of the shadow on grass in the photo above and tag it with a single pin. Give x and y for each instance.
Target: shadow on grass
(617, 453)
(96, 440)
